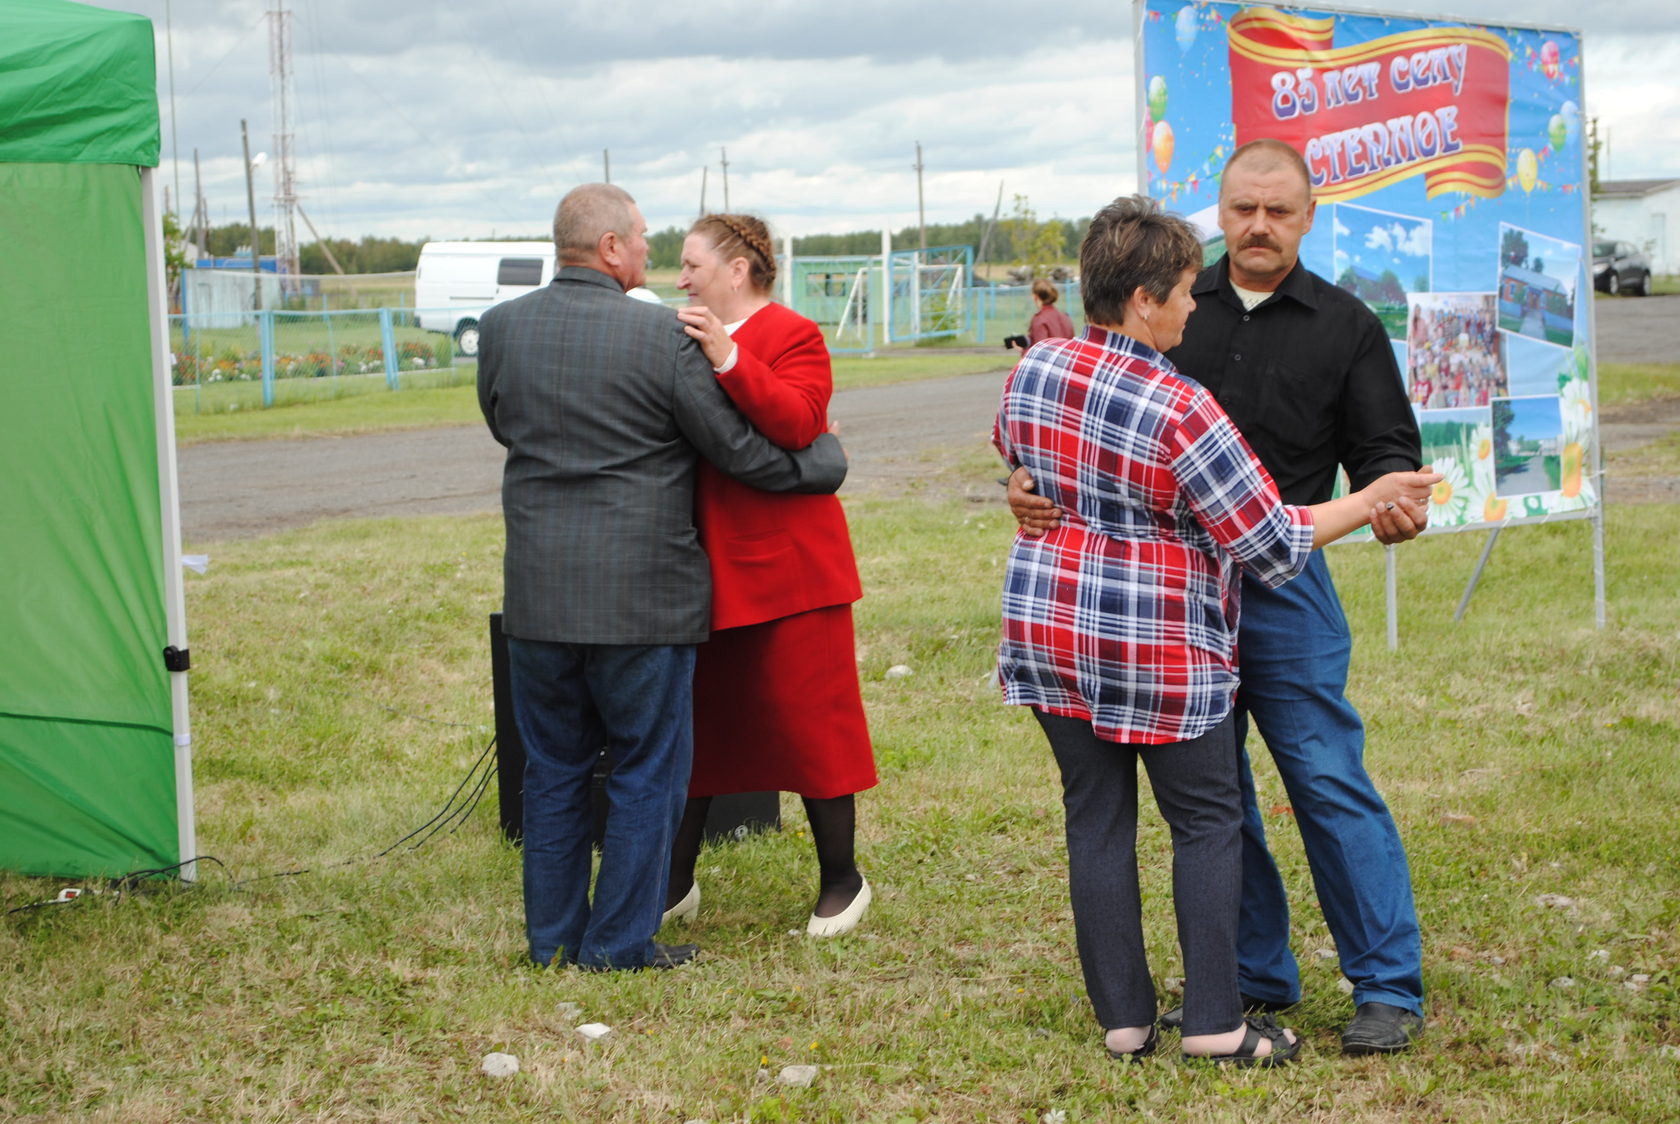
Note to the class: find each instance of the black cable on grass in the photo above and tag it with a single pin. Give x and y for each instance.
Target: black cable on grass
(452, 815)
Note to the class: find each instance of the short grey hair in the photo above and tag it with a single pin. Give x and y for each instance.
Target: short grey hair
(585, 214)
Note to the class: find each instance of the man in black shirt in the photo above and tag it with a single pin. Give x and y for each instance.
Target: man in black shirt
(1307, 373)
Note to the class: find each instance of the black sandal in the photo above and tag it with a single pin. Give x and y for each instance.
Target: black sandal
(1141, 1052)
(1257, 1027)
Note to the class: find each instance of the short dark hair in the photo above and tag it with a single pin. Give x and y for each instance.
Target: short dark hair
(1270, 153)
(1045, 290)
(585, 214)
(1133, 244)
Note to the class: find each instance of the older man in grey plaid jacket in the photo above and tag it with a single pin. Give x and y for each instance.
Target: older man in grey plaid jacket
(604, 404)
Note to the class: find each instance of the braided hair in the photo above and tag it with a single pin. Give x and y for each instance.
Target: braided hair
(742, 236)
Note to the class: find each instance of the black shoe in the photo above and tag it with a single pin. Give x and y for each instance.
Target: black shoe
(671, 955)
(1174, 1019)
(1380, 1028)
(1141, 1052)
(664, 956)
(1255, 1029)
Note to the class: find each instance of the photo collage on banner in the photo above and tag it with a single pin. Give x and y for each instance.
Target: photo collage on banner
(1447, 164)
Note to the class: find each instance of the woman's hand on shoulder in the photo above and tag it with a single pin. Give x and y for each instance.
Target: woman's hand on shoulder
(702, 323)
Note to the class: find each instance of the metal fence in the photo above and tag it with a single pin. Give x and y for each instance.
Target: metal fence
(229, 355)
(271, 357)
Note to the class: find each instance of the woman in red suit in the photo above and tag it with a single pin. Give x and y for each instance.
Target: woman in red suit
(776, 702)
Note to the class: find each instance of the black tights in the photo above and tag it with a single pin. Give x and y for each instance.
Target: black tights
(833, 828)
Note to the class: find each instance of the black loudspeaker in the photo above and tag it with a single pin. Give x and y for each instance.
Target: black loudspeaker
(734, 816)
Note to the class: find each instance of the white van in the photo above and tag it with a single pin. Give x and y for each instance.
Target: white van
(457, 281)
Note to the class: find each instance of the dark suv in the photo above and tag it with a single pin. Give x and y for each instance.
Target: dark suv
(1621, 267)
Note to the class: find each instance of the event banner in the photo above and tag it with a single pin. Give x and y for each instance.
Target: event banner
(1447, 166)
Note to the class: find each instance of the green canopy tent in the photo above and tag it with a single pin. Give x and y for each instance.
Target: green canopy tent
(95, 751)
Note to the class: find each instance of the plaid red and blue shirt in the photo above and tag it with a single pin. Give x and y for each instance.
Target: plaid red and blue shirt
(1126, 614)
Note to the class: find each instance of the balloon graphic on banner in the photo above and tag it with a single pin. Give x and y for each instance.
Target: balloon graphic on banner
(1157, 97)
(1557, 131)
(1549, 59)
(1528, 169)
(1148, 131)
(1163, 147)
(1571, 114)
(1184, 27)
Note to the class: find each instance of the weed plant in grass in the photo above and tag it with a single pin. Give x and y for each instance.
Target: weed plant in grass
(341, 689)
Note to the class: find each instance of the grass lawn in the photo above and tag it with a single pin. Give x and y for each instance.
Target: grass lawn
(362, 404)
(341, 690)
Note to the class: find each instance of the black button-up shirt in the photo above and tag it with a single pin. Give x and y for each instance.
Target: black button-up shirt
(1308, 376)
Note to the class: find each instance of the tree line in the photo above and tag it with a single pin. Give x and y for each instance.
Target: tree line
(1019, 238)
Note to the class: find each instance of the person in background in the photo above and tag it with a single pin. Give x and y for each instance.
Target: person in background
(776, 700)
(1048, 322)
(605, 406)
(1307, 373)
(1120, 626)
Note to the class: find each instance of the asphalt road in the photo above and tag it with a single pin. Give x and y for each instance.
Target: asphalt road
(240, 489)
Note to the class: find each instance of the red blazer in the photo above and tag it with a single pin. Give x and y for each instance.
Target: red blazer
(775, 554)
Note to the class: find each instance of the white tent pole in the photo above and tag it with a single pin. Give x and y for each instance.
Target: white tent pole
(174, 593)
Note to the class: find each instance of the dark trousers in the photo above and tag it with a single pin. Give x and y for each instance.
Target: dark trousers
(570, 700)
(1195, 786)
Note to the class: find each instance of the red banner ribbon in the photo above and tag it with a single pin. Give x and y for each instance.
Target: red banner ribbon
(1430, 102)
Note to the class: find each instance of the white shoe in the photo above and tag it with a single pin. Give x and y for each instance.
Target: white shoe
(844, 921)
(685, 910)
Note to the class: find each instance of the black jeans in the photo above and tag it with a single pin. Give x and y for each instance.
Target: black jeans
(1195, 785)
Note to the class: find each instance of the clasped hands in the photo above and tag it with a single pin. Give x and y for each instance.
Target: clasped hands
(1399, 512)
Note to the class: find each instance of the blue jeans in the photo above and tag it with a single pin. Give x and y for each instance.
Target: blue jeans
(1293, 647)
(570, 700)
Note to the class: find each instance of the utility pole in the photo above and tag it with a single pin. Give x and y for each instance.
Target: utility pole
(251, 205)
(986, 238)
(322, 242)
(724, 152)
(703, 172)
(606, 167)
(174, 137)
(921, 213)
(201, 219)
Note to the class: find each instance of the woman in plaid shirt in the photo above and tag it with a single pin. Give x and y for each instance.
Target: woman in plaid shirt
(1119, 626)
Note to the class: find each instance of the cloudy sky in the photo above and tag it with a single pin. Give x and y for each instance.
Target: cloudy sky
(469, 118)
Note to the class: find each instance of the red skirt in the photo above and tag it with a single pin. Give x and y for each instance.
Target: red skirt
(777, 708)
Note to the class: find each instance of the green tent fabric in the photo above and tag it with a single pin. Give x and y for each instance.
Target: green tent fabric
(88, 760)
(78, 85)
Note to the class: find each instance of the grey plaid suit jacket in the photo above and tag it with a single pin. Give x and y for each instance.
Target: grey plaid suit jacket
(604, 403)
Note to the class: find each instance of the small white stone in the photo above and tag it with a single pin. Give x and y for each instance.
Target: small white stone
(797, 1075)
(1564, 982)
(1616, 971)
(499, 1065)
(569, 1011)
(1173, 985)
(1345, 986)
(594, 1031)
(898, 671)
(1324, 953)
(1599, 954)
(1054, 1116)
(1554, 901)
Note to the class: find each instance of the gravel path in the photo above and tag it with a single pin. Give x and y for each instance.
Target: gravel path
(240, 489)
